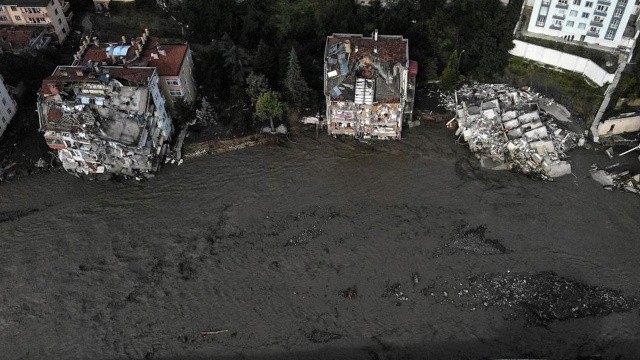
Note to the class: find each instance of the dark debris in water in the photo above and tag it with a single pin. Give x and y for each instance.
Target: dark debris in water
(471, 241)
(320, 337)
(540, 298)
(393, 291)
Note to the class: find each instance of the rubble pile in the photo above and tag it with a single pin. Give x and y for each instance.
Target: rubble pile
(612, 179)
(393, 291)
(506, 130)
(540, 298)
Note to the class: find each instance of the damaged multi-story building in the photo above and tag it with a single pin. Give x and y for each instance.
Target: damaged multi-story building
(173, 62)
(105, 119)
(369, 85)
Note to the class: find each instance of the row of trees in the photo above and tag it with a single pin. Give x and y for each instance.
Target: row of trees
(252, 47)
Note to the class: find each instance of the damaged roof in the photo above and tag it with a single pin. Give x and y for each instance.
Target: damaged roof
(40, 3)
(12, 37)
(365, 69)
(166, 58)
(87, 74)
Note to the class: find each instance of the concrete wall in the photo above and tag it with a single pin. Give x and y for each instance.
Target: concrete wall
(562, 60)
(619, 126)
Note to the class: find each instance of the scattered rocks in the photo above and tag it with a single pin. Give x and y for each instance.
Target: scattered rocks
(393, 290)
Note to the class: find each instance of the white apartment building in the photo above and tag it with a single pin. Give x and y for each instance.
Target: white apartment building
(7, 107)
(601, 22)
(53, 14)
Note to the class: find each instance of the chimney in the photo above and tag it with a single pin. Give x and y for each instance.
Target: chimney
(146, 31)
(96, 42)
(124, 39)
(137, 54)
(375, 35)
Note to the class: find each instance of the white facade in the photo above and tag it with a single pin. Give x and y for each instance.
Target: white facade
(601, 22)
(7, 107)
(54, 14)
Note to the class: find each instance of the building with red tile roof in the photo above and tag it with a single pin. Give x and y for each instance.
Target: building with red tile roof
(173, 62)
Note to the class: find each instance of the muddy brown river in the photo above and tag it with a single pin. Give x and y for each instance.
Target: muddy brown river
(322, 248)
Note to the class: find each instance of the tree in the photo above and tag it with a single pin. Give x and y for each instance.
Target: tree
(256, 85)
(265, 61)
(269, 107)
(450, 75)
(295, 86)
(206, 115)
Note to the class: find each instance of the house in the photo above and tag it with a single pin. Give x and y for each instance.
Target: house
(369, 85)
(173, 62)
(105, 119)
(599, 22)
(16, 39)
(54, 15)
(103, 5)
(8, 106)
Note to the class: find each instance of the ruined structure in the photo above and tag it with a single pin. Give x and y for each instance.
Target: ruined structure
(105, 120)
(369, 84)
(173, 62)
(506, 130)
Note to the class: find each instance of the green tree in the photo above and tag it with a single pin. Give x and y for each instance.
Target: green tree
(296, 87)
(265, 61)
(450, 76)
(269, 108)
(256, 85)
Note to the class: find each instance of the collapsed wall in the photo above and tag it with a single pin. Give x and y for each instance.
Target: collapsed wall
(506, 130)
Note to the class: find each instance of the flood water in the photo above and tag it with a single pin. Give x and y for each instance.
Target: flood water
(255, 249)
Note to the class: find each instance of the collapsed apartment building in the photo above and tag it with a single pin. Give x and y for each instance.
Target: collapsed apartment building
(105, 121)
(369, 85)
(506, 130)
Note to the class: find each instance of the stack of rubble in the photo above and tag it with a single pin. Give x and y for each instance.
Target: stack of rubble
(618, 180)
(506, 130)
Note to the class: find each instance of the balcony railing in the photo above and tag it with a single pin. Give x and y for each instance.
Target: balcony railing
(600, 13)
(604, 2)
(562, 6)
(555, 27)
(559, 17)
(593, 34)
(596, 23)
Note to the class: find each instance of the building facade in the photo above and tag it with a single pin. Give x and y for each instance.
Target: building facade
(103, 5)
(8, 107)
(52, 14)
(369, 85)
(601, 22)
(105, 119)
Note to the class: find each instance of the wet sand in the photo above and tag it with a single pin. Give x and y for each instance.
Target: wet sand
(263, 242)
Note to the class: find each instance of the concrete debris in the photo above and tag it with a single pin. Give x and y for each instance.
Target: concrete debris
(506, 130)
(616, 180)
(393, 290)
(540, 298)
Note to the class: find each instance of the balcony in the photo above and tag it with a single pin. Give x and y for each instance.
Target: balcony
(555, 27)
(600, 13)
(562, 6)
(604, 2)
(596, 23)
(593, 34)
(559, 17)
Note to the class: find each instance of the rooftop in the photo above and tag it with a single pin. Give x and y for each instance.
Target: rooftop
(12, 37)
(40, 3)
(365, 69)
(142, 51)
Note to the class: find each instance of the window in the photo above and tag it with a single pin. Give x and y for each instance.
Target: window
(563, 2)
(14, 8)
(173, 82)
(597, 19)
(602, 8)
(622, 2)
(573, 13)
(18, 18)
(582, 26)
(589, 4)
(544, 11)
(618, 12)
(3, 18)
(561, 13)
(614, 23)
(4, 120)
(176, 92)
(570, 23)
(540, 21)
(64, 31)
(60, 21)
(4, 101)
(609, 35)
(55, 11)
(557, 23)
(585, 15)
(594, 29)
(576, 2)
(9, 111)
